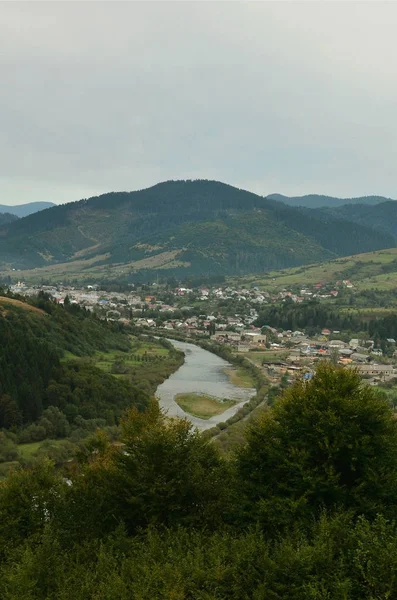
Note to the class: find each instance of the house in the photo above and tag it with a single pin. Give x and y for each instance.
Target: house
(377, 352)
(376, 370)
(354, 343)
(336, 344)
(325, 332)
(226, 336)
(359, 358)
(256, 339)
(346, 352)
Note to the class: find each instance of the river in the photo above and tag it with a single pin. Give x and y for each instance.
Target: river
(202, 372)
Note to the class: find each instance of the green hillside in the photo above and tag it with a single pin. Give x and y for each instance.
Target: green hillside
(372, 270)
(62, 361)
(179, 228)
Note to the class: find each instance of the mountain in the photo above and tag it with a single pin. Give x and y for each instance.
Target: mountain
(23, 210)
(180, 228)
(318, 201)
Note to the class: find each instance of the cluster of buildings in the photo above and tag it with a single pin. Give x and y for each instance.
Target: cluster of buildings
(301, 353)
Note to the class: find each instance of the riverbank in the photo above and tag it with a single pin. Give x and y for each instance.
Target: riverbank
(239, 376)
(203, 372)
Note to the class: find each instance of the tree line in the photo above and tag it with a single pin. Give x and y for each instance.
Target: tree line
(313, 316)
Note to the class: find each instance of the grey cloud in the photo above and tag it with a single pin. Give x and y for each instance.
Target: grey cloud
(272, 96)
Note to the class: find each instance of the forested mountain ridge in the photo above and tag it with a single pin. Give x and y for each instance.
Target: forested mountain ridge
(319, 200)
(382, 217)
(182, 228)
(23, 210)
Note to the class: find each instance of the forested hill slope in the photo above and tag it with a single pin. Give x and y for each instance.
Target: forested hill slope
(6, 217)
(35, 377)
(318, 200)
(184, 228)
(382, 217)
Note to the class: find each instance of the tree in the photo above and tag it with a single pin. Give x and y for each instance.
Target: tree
(330, 442)
(169, 474)
(10, 415)
(27, 501)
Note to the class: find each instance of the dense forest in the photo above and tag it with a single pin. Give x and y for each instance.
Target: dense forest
(305, 509)
(382, 217)
(320, 200)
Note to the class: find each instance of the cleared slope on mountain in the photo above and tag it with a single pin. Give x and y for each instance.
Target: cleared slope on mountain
(368, 271)
(192, 227)
(319, 200)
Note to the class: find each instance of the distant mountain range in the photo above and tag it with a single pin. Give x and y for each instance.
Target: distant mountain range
(182, 228)
(23, 210)
(319, 201)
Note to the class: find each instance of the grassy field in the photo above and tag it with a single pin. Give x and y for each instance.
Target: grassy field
(27, 450)
(140, 352)
(203, 406)
(240, 377)
(19, 304)
(94, 268)
(271, 355)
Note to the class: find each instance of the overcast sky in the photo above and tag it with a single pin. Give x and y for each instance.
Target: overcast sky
(270, 96)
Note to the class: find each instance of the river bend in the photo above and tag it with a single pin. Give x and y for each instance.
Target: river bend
(202, 372)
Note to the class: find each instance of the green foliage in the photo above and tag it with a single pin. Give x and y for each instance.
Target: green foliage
(311, 316)
(8, 448)
(306, 510)
(328, 443)
(169, 473)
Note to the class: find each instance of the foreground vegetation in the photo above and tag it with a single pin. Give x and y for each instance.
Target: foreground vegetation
(305, 509)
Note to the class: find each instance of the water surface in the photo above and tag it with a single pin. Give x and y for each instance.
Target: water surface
(202, 372)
